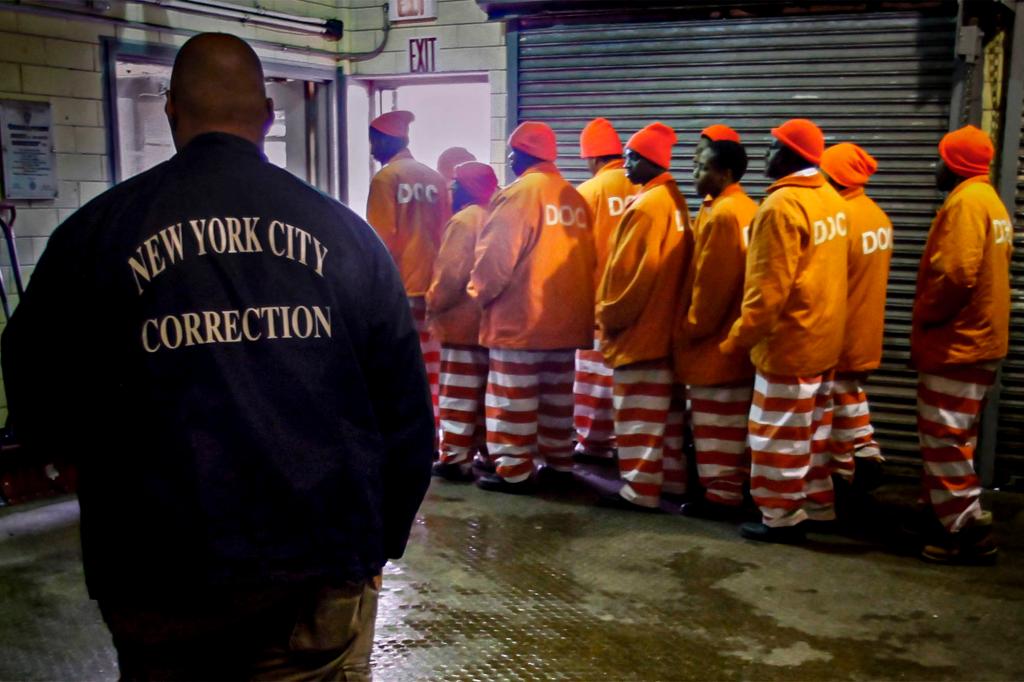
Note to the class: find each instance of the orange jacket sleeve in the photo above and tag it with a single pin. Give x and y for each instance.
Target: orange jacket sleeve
(951, 269)
(381, 209)
(452, 267)
(718, 276)
(499, 248)
(630, 273)
(772, 260)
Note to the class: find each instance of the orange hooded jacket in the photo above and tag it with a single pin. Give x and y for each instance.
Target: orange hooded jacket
(962, 304)
(650, 251)
(533, 273)
(606, 193)
(870, 243)
(713, 292)
(408, 206)
(454, 316)
(794, 302)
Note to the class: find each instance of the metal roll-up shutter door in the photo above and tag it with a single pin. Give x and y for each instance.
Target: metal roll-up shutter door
(882, 80)
(1010, 439)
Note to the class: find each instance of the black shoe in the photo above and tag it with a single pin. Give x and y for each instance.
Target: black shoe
(555, 479)
(867, 475)
(452, 472)
(484, 464)
(594, 455)
(789, 535)
(712, 511)
(617, 501)
(497, 484)
(972, 545)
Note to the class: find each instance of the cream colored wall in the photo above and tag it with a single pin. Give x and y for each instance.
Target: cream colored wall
(466, 42)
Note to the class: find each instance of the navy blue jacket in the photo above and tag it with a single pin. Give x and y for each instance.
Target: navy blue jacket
(230, 357)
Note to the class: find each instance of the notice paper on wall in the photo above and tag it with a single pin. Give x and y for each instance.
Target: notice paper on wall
(26, 149)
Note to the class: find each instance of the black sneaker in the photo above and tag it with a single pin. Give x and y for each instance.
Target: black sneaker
(484, 464)
(972, 545)
(549, 477)
(712, 511)
(497, 484)
(867, 475)
(452, 472)
(788, 535)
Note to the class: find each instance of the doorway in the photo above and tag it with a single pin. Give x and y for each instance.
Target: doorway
(451, 111)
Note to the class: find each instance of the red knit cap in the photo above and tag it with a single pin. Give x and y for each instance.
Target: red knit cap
(478, 179)
(394, 123)
(848, 164)
(967, 152)
(599, 139)
(450, 158)
(803, 137)
(654, 143)
(720, 131)
(536, 139)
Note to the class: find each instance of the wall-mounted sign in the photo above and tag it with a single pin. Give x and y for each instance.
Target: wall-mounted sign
(412, 10)
(422, 55)
(26, 147)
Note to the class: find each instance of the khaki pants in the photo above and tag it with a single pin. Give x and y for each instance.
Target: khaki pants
(311, 633)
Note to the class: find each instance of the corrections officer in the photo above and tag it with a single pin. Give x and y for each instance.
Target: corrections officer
(248, 342)
(534, 278)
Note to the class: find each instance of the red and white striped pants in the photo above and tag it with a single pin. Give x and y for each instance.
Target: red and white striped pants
(649, 416)
(949, 405)
(529, 410)
(852, 433)
(789, 426)
(463, 384)
(429, 346)
(719, 418)
(592, 414)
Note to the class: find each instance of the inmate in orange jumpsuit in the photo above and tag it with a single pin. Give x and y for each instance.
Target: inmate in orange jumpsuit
(870, 251)
(533, 278)
(638, 295)
(408, 207)
(959, 334)
(792, 321)
(719, 386)
(606, 194)
(455, 321)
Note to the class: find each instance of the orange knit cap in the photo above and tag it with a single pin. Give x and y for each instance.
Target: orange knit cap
(450, 158)
(967, 152)
(803, 137)
(848, 164)
(720, 131)
(599, 139)
(536, 139)
(478, 179)
(394, 123)
(654, 143)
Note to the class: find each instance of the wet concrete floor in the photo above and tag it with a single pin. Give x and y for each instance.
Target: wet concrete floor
(498, 587)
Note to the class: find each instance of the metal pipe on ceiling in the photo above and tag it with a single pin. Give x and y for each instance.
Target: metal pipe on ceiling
(92, 11)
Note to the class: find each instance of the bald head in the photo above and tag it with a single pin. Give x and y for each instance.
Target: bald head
(217, 86)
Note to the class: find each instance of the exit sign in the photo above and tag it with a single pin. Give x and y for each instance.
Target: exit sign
(422, 55)
(412, 10)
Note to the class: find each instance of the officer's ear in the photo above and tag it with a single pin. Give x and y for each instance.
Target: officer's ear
(268, 119)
